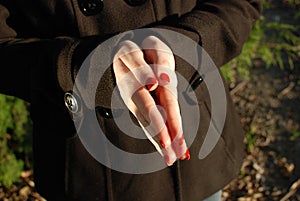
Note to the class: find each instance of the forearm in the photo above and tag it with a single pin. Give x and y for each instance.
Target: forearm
(221, 27)
(27, 63)
(38, 65)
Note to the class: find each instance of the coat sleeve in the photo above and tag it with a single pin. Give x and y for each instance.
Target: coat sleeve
(47, 67)
(37, 68)
(221, 27)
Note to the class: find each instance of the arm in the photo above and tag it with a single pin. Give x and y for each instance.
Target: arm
(31, 66)
(221, 27)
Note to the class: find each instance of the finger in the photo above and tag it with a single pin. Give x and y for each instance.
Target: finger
(126, 82)
(174, 122)
(158, 141)
(145, 105)
(133, 58)
(162, 58)
(140, 102)
(120, 69)
(156, 125)
(158, 53)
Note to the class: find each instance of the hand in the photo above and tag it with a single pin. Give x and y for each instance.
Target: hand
(146, 78)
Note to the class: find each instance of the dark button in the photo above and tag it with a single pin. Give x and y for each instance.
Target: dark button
(71, 102)
(105, 112)
(108, 113)
(135, 2)
(90, 7)
(196, 83)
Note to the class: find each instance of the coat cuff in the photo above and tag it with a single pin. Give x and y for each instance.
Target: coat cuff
(79, 64)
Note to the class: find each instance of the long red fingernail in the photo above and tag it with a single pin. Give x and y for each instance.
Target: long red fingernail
(150, 83)
(164, 77)
(187, 156)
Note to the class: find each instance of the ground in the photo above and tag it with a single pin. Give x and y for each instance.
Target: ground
(268, 104)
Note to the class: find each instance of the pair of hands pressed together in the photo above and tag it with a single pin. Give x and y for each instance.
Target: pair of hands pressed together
(147, 82)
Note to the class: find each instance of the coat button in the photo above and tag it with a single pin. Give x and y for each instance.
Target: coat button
(105, 112)
(108, 113)
(196, 83)
(135, 2)
(90, 7)
(71, 102)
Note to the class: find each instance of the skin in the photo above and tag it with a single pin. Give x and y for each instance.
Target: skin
(146, 78)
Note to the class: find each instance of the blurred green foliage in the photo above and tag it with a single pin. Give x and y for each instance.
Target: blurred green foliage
(274, 43)
(250, 139)
(295, 135)
(15, 139)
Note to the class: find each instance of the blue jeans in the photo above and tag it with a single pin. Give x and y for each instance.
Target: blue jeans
(214, 197)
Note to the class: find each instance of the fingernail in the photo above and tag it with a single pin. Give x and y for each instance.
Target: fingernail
(151, 83)
(187, 156)
(165, 78)
(162, 144)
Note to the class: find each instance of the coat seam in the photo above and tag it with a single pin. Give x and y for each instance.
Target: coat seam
(79, 20)
(109, 183)
(109, 187)
(232, 159)
(154, 11)
(179, 184)
(75, 14)
(65, 61)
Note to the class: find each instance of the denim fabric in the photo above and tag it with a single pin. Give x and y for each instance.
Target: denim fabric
(215, 197)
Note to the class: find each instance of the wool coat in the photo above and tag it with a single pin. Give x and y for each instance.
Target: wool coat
(42, 46)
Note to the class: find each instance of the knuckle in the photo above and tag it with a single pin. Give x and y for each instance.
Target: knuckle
(164, 62)
(128, 46)
(127, 43)
(137, 54)
(152, 42)
(131, 54)
(168, 142)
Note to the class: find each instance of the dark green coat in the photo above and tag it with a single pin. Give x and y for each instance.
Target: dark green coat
(42, 46)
